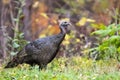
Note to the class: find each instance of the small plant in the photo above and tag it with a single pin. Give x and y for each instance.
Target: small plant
(17, 42)
(109, 43)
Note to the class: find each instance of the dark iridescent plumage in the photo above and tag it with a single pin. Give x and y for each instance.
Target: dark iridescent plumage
(41, 51)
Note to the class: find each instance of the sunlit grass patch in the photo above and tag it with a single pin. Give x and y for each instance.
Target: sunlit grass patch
(73, 68)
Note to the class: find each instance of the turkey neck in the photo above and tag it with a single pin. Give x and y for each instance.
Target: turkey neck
(61, 35)
(63, 30)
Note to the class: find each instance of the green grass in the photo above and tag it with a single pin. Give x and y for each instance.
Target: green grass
(74, 68)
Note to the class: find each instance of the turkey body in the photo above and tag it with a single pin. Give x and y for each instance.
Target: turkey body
(41, 51)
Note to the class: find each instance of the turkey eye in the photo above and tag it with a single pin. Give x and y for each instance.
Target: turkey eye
(65, 22)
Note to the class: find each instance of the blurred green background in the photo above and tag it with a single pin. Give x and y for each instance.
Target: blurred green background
(91, 51)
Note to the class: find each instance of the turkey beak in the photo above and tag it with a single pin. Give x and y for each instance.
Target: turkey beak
(69, 24)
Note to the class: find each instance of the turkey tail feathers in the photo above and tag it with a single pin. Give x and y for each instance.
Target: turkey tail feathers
(11, 64)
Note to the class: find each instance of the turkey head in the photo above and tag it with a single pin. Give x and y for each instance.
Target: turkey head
(64, 26)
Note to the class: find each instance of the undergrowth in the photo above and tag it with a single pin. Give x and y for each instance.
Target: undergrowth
(73, 68)
(108, 45)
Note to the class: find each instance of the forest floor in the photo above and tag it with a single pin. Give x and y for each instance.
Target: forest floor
(74, 68)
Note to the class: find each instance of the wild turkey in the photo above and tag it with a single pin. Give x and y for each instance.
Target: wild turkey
(41, 51)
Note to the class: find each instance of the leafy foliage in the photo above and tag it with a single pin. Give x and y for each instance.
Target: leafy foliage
(18, 43)
(109, 43)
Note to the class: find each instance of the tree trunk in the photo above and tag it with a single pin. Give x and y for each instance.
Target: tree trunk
(27, 19)
(3, 35)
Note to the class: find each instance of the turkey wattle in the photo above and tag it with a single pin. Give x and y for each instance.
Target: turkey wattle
(41, 51)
